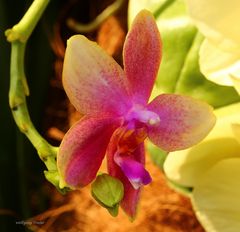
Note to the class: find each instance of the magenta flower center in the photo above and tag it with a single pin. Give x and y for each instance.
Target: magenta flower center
(133, 132)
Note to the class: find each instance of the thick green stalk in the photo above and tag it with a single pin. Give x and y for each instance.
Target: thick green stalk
(22, 30)
(17, 101)
(18, 37)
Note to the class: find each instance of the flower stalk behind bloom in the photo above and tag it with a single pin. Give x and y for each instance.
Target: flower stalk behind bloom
(118, 116)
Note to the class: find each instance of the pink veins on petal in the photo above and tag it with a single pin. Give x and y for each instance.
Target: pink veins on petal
(118, 117)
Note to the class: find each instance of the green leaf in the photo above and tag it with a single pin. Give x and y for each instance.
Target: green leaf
(216, 197)
(108, 192)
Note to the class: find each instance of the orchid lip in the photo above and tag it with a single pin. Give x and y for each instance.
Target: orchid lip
(133, 170)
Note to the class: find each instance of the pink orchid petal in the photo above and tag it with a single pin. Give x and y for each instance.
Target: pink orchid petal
(93, 81)
(83, 148)
(133, 170)
(142, 55)
(131, 196)
(184, 121)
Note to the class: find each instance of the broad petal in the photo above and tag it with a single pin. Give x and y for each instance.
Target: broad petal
(215, 197)
(83, 148)
(220, 66)
(219, 53)
(236, 131)
(142, 55)
(131, 195)
(93, 81)
(218, 24)
(184, 121)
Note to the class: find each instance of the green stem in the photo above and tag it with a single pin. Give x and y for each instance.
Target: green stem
(84, 28)
(18, 37)
(22, 30)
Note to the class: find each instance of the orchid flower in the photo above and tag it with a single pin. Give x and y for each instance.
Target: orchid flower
(220, 51)
(211, 169)
(117, 115)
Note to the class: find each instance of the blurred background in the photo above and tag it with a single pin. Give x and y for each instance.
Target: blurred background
(24, 192)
